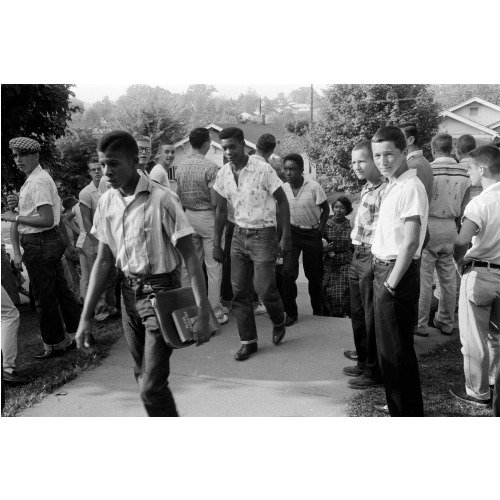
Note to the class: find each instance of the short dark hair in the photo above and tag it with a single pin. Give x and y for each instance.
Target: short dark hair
(266, 143)
(70, 202)
(140, 137)
(296, 158)
(93, 160)
(165, 142)
(442, 142)
(496, 141)
(232, 133)
(489, 156)
(198, 137)
(391, 133)
(465, 144)
(410, 130)
(346, 202)
(118, 139)
(364, 144)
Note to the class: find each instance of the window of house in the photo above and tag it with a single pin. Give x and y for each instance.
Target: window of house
(473, 111)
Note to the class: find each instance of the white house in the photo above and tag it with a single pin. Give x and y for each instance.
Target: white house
(476, 117)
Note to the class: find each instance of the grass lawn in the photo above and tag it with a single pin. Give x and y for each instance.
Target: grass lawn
(46, 376)
(439, 371)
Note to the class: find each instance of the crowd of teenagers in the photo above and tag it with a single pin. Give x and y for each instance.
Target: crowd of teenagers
(422, 233)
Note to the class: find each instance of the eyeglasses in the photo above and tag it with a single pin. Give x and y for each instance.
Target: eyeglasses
(95, 170)
(144, 150)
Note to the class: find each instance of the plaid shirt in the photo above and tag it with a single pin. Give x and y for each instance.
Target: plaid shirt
(367, 214)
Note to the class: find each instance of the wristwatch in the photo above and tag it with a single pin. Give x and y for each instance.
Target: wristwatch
(17, 217)
(391, 290)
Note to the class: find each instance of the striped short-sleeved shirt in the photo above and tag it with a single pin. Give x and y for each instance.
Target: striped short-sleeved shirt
(142, 234)
(304, 208)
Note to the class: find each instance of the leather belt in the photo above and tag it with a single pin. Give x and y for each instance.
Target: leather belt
(306, 228)
(383, 262)
(256, 230)
(50, 234)
(137, 280)
(482, 263)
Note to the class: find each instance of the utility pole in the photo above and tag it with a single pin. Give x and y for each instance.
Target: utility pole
(312, 103)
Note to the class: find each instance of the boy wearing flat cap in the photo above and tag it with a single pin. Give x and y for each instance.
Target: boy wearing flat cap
(35, 228)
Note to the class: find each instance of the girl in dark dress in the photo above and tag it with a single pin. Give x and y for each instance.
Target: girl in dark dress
(337, 259)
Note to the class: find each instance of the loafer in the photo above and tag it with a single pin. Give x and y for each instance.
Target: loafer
(352, 355)
(458, 391)
(245, 351)
(363, 382)
(56, 353)
(13, 378)
(279, 333)
(381, 406)
(352, 371)
(420, 334)
(290, 320)
(438, 325)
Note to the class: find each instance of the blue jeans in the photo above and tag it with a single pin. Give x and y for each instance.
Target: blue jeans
(142, 333)
(253, 254)
(42, 257)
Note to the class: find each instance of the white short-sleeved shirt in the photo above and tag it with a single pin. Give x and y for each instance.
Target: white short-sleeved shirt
(79, 222)
(484, 211)
(160, 175)
(39, 189)
(405, 197)
(89, 196)
(252, 199)
(304, 208)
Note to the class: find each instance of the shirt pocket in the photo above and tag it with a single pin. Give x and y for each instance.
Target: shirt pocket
(481, 288)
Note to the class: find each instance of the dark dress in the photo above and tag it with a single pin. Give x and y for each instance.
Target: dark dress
(336, 268)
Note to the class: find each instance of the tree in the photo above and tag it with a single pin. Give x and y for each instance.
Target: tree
(37, 111)
(351, 113)
(302, 95)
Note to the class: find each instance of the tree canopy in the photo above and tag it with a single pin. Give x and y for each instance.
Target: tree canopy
(40, 112)
(351, 113)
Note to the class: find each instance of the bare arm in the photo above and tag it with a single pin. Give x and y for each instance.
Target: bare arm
(461, 245)
(325, 212)
(411, 235)
(220, 222)
(284, 214)
(465, 201)
(201, 329)
(86, 217)
(213, 197)
(68, 220)
(14, 237)
(44, 219)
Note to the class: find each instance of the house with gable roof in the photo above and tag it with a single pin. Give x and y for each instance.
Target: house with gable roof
(476, 117)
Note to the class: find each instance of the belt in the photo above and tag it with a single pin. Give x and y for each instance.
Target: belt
(256, 230)
(49, 234)
(147, 278)
(482, 263)
(362, 248)
(383, 262)
(307, 228)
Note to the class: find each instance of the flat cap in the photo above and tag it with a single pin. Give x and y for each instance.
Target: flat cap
(24, 145)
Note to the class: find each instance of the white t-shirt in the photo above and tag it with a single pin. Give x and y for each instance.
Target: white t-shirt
(484, 211)
(79, 222)
(403, 198)
(160, 175)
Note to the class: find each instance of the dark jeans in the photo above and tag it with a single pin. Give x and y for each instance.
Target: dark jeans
(394, 317)
(362, 312)
(42, 257)
(309, 242)
(226, 289)
(253, 255)
(150, 352)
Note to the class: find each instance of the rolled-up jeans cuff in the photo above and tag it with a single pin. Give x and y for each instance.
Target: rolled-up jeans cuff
(245, 342)
(60, 346)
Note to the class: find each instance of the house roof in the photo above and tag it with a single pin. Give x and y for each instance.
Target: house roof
(468, 122)
(251, 131)
(472, 100)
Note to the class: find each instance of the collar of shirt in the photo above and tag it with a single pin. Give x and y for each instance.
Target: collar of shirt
(405, 176)
(493, 187)
(418, 152)
(196, 155)
(375, 185)
(35, 173)
(258, 157)
(444, 160)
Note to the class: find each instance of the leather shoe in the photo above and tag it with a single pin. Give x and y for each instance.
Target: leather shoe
(439, 326)
(56, 353)
(352, 355)
(245, 351)
(363, 382)
(290, 320)
(352, 371)
(13, 378)
(381, 406)
(279, 333)
(459, 392)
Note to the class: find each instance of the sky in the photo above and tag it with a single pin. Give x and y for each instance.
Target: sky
(90, 93)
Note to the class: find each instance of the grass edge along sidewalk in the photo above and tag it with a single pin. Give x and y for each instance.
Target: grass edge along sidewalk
(47, 376)
(440, 370)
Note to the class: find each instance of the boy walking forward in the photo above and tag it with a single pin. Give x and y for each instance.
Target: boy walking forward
(396, 246)
(479, 303)
(139, 225)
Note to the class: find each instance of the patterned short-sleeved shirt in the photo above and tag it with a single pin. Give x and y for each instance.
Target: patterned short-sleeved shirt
(252, 199)
(143, 233)
(366, 218)
(38, 190)
(304, 208)
(195, 176)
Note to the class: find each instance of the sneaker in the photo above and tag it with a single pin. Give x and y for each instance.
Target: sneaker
(459, 392)
(381, 406)
(259, 309)
(223, 320)
(13, 378)
(363, 382)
